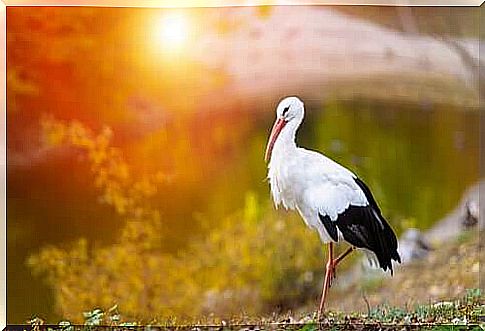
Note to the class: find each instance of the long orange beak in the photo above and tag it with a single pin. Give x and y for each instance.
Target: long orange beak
(277, 127)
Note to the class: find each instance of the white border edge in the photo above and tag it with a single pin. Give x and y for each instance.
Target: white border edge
(241, 3)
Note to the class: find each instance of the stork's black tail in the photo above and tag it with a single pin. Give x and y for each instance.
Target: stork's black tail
(365, 227)
(383, 241)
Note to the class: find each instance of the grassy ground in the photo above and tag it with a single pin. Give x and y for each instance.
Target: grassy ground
(466, 313)
(437, 293)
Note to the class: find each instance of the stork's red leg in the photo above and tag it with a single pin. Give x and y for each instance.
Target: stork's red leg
(327, 279)
(343, 255)
(330, 273)
(340, 258)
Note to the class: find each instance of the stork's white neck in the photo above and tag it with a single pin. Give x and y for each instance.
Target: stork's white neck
(285, 143)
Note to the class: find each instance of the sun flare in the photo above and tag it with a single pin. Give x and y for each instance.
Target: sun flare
(172, 31)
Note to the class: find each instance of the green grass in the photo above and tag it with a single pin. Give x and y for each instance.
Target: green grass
(467, 313)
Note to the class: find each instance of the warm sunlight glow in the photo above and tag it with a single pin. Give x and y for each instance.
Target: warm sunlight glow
(172, 31)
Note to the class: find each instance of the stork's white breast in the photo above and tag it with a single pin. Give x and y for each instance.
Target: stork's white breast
(313, 184)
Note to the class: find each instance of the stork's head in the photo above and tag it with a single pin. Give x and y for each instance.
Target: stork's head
(289, 114)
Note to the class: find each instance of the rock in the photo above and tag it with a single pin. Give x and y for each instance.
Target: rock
(413, 246)
(465, 215)
(472, 213)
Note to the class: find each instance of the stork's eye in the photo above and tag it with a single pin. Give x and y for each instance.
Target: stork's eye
(285, 111)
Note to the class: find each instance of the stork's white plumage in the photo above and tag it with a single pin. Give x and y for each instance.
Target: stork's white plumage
(330, 198)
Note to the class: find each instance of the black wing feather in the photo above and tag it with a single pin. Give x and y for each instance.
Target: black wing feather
(330, 226)
(365, 227)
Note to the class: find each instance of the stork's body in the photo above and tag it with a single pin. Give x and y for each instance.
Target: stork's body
(329, 197)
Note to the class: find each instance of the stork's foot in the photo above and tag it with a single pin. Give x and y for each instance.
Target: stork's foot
(330, 275)
(320, 315)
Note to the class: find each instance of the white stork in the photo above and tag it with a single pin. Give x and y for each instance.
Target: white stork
(330, 198)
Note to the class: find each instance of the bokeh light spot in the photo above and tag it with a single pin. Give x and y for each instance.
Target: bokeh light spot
(172, 31)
